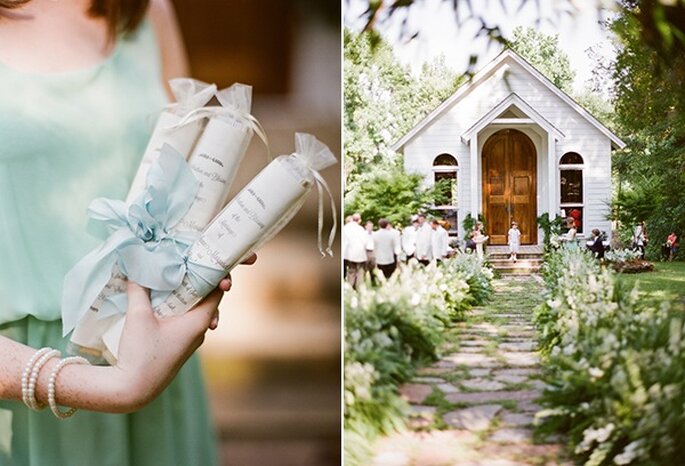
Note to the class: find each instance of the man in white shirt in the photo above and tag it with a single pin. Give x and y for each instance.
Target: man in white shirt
(439, 241)
(409, 235)
(348, 220)
(424, 244)
(386, 247)
(355, 240)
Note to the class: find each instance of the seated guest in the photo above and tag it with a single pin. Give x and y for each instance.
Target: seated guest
(597, 246)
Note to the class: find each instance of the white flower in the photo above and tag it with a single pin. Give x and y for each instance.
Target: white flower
(415, 299)
(630, 452)
(596, 372)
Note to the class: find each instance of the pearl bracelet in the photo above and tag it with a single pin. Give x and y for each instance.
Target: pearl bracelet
(45, 355)
(27, 372)
(51, 386)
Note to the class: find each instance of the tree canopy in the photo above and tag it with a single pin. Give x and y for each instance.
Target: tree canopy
(650, 106)
(544, 53)
(383, 100)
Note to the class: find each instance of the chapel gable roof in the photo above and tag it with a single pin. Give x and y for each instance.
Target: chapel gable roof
(503, 59)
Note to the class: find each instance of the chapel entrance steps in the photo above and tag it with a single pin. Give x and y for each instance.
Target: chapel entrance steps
(529, 260)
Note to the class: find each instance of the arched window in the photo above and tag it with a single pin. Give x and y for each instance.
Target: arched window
(445, 169)
(571, 167)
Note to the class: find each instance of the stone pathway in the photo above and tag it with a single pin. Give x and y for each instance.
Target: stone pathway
(476, 405)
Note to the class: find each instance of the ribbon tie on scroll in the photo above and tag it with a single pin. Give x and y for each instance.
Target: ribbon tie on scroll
(236, 103)
(141, 242)
(317, 156)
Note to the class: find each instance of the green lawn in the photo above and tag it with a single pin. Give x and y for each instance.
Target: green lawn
(667, 279)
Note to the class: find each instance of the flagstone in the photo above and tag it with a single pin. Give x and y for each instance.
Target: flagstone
(447, 388)
(474, 419)
(516, 371)
(517, 346)
(475, 342)
(470, 349)
(415, 392)
(511, 435)
(427, 380)
(510, 378)
(470, 359)
(421, 416)
(515, 358)
(512, 419)
(479, 372)
(482, 384)
(490, 396)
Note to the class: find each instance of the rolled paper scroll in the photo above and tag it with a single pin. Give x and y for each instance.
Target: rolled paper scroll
(214, 162)
(218, 153)
(142, 246)
(253, 217)
(190, 95)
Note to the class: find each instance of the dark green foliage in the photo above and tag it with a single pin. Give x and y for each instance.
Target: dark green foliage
(650, 107)
(550, 228)
(389, 192)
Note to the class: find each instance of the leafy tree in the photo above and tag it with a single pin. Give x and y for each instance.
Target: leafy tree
(543, 52)
(387, 191)
(383, 101)
(650, 107)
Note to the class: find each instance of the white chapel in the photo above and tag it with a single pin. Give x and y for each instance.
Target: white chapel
(514, 146)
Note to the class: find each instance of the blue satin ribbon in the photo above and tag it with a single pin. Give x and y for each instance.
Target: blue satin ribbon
(142, 244)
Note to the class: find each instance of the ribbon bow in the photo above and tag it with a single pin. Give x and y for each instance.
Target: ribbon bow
(141, 242)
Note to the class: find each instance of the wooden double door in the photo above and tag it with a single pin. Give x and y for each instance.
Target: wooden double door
(509, 186)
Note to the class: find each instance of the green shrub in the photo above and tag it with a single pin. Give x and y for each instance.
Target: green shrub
(615, 367)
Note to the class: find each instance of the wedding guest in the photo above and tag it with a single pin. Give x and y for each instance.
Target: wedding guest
(640, 238)
(514, 240)
(569, 238)
(672, 245)
(398, 237)
(479, 238)
(355, 239)
(386, 247)
(409, 236)
(439, 241)
(82, 80)
(424, 242)
(370, 255)
(597, 246)
(348, 219)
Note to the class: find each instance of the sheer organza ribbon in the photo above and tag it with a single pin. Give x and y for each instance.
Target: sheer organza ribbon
(236, 103)
(142, 243)
(190, 94)
(316, 156)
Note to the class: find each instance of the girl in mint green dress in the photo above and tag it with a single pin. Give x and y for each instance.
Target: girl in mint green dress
(67, 137)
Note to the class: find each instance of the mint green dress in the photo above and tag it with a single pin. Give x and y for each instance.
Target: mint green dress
(66, 139)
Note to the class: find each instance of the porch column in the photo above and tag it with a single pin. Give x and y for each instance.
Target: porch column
(474, 175)
(552, 176)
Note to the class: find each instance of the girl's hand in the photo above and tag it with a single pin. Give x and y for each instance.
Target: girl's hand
(153, 349)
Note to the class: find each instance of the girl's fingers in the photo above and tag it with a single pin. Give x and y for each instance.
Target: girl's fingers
(250, 260)
(215, 321)
(225, 284)
(138, 299)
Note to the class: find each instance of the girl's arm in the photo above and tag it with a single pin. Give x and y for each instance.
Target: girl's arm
(173, 51)
(152, 351)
